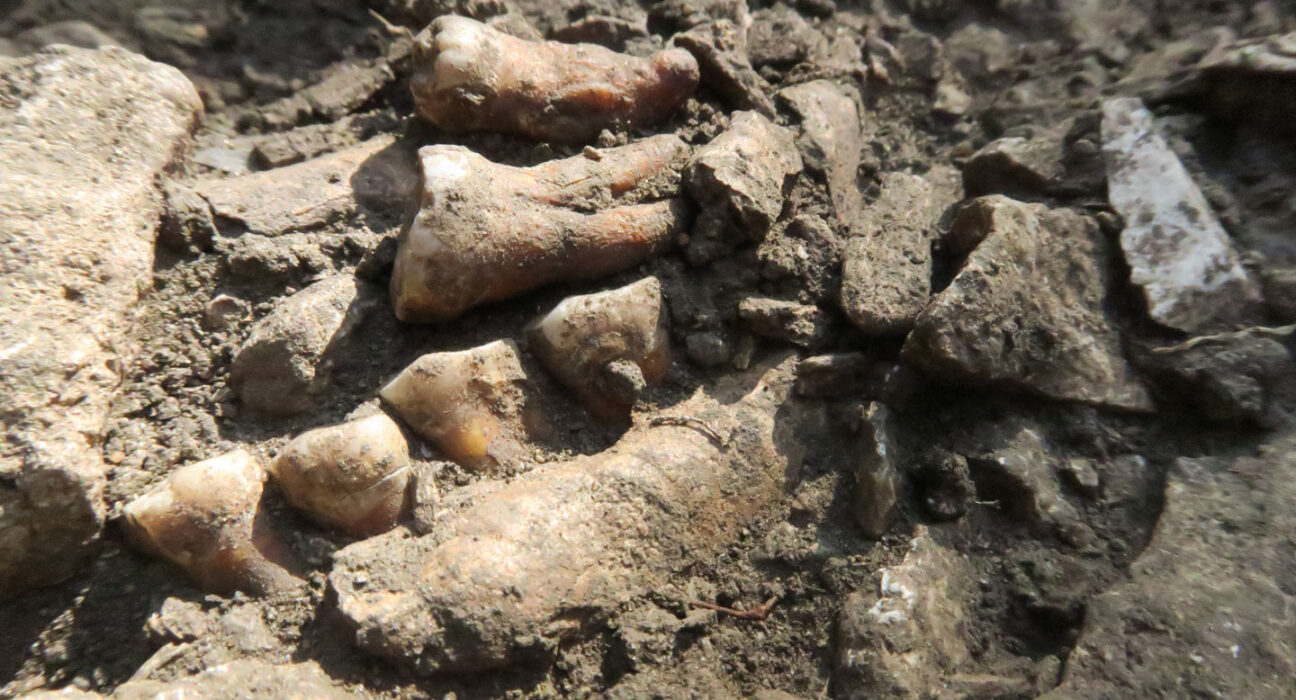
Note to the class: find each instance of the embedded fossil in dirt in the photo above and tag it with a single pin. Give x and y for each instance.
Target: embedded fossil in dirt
(351, 476)
(470, 77)
(606, 347)
(486, 232)
(205, 517)
(472, 404)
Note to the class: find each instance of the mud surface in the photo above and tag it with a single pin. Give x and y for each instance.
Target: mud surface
(935, 81)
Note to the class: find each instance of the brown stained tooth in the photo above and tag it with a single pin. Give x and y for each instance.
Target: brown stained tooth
(206, 518)
(487, 232)
(351, 476)
(471, 404)
(471, 77)
(606, 347)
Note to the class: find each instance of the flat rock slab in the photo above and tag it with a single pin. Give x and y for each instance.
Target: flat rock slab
(1223, 551)
(887, 265)
(1025, 311)
(1177, 250)
(84, 136)
(377, 173)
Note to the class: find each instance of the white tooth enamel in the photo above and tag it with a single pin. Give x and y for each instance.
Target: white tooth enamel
(459, 44)
(443, 168)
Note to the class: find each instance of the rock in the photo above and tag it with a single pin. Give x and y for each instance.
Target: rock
(887, 266)
(1253, 80)
(224, 313)
(1019, 478)
(830, 140)
(351, 476)
(546, 559)
(1207, 605)
(612, 32)
(707, 348)
(1177, 250)
(804, 257)
(944, 481)
(740, 180)
(286, 362)
(237, 679)
(906, 640)
(1280, 293)
(589, 342)
(1016, 166)
(876, 476)
(345, 87)
(720, 48)
(377, 174)
(1025, 311)
(1231, 379)
(80, 207)
(77, 33)
(802, 325)
(841, 374)
(477, 406)
(780, 37)
(206, 518)
(187, 225)
(1083, 477)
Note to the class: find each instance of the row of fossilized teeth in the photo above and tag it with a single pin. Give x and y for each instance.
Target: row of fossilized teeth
(356, 476)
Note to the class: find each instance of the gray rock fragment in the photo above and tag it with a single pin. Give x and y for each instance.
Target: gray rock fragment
(720, 48)
(1026, 310)
(286, 362)
(1229, 379)
(79, 207)
(1253, 80)
(1223, 547)
(830, 139)
(1177, 250)
(739, 179)
(802, 325)
(876, 476)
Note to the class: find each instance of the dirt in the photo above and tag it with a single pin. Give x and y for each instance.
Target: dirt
(938, 80)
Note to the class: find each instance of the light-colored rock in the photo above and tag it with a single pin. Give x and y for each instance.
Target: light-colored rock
(804, 325)
(84, 137)
(1207, 608)
(876, 476)
(287, 360)
(1025, 312)
(909, 638)
(547, 558)
(830, 140)
(606, 347)
(232, 681)
(351, 476)
(739, 179)
(206, 517)
(1177, 251)
(378, 173)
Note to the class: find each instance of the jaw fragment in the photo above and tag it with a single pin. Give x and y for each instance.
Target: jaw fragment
(471, 77)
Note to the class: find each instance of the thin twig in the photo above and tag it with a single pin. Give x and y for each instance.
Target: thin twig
(759, 612)
(688, 422)
(393, 29)
(1269, 331)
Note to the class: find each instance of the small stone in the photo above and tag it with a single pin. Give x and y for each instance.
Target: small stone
(876, 475)
(224, 313)
(1177, 250)
(945, 482)
(739, 179)
(802, 325)
(830, 139)
(842, 374)
(707, 348)
(1026, 309)
(720, 47)
(1081, 475)
(177, 621)
(1280, 292)
(1228, 380)
(186, 222)
(1017, 477)
(1016, 166)
(612, 32)
(286, 362)
(425, 497)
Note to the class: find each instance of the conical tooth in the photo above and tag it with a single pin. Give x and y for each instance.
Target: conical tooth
(606, 347)
(351, 476)
(206, 518)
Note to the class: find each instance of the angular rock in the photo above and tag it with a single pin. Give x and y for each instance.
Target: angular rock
(802, 325)
(842, 374)
(804, 256)
(79, 209)
(739, 179)
(1016, 165)
(876, 476)
(944, 481)
(887, 266)
(1280, 293)
(287, 360)
(906, 640)
(1252, 80)
(720, 48)
(1019, 478)
(1207, 608)
(1026, 310)
(546, 559)
(781, 37)
(376, 174)
(1177, 251)
(830, 140)
(1230, 379)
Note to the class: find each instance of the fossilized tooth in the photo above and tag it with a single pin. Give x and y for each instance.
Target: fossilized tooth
(206, 518)
(486, 232)
(606, 347)
(470, 77)
(472, 404)
(351, 476)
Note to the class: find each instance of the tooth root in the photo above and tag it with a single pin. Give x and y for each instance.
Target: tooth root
(206, 518)
(471, 404)
(471, 77)
(587, 341)
(487, 232)
(351, 476)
